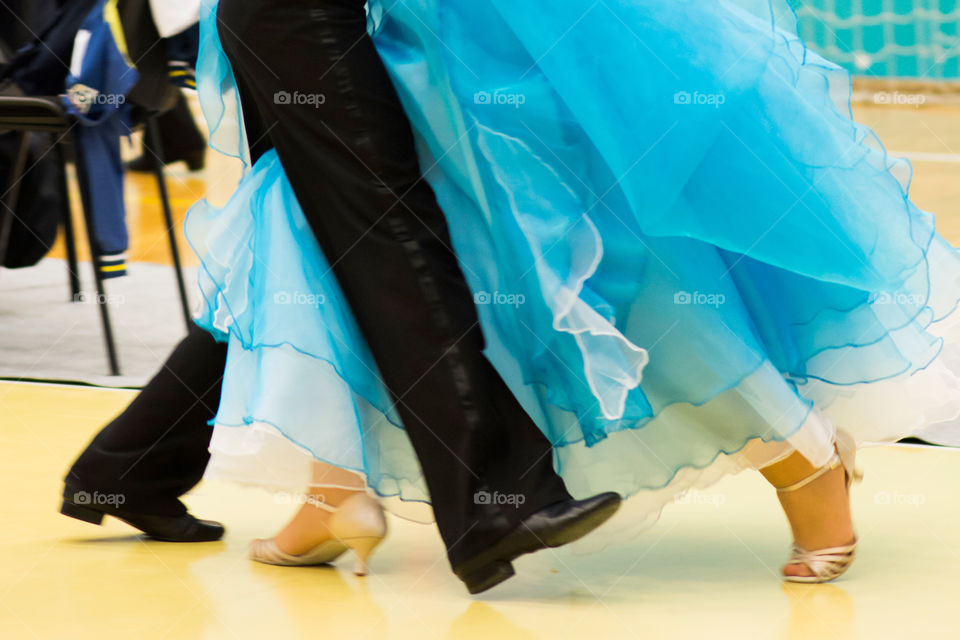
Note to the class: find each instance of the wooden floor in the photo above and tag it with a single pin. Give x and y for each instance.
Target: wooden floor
(707, 570)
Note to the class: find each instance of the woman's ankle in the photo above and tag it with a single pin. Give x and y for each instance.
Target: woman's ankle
(792, 469)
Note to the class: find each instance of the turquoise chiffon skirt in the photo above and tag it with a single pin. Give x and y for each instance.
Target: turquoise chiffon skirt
(688, 259)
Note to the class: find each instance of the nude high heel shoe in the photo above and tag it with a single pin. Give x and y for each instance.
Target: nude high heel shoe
(830, 563)
(357, 523)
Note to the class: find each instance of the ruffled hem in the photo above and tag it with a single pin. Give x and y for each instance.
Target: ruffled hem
(260, 453)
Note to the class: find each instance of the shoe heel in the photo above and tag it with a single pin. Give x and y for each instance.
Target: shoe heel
(81, 512)
(488, 576)
(363, 548)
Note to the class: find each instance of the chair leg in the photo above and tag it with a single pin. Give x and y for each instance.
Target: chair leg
(155, 149)
(101, 300)
(11, 195)
(69, 234)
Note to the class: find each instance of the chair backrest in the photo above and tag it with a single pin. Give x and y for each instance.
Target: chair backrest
(32, 114)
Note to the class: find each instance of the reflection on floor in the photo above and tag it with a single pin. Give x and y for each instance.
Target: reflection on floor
(707, 570)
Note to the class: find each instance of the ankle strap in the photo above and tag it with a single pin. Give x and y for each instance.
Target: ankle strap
(832, 464)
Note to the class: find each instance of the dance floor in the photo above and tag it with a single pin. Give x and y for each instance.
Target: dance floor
(708, 569)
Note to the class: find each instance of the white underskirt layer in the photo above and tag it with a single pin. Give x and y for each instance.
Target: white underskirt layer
(926, 404)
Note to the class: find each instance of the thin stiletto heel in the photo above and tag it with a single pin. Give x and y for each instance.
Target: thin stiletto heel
(363, 548)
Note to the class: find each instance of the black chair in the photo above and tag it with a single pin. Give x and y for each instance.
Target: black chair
(28, 115)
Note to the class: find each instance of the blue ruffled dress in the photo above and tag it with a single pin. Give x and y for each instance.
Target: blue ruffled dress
(687, 257)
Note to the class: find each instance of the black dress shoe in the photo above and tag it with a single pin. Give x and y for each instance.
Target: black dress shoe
(196, 160)
(552, 526)
(81, 505)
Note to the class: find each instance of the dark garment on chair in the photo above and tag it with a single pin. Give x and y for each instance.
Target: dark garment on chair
(21, 20)
(40, 68)
(41, 203)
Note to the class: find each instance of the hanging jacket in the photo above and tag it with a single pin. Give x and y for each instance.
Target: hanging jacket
(100, 77)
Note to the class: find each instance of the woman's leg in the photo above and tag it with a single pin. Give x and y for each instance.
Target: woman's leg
(819, 512)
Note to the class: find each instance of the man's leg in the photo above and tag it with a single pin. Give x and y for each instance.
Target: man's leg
(156, 450)
(312, 78)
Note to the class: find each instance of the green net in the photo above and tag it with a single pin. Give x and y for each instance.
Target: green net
(886, 38)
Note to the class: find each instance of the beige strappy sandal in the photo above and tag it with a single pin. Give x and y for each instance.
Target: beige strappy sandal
(830, 563)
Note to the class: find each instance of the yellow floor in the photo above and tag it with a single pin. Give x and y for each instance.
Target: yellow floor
(707, 570)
